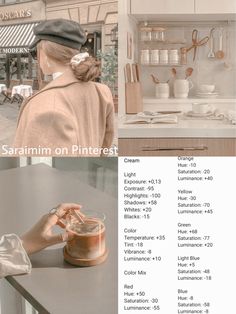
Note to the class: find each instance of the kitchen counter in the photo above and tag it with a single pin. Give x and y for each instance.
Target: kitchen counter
(183, 129)
(53, 285)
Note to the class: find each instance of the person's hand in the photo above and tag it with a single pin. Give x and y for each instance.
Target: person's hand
(41, 236)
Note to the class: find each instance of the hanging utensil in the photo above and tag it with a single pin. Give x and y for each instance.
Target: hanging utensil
(211, 53)
(188, 72)
(220, 53)
(228, 63)
(155, 79)
(197, 43)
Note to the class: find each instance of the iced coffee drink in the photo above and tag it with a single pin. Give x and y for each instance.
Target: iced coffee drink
(88, 241)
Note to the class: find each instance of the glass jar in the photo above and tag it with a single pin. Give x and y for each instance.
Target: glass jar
(158, 34)
(145, 57)
(146, 33)
(88, 230)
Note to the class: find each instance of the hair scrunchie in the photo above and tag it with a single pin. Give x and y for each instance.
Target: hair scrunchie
(80, 57)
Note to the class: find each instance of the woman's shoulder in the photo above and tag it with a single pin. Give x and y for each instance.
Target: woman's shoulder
(103, 89)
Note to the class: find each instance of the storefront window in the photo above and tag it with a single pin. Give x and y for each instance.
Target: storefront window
(2, 2)
(2, 67)
(9, 1)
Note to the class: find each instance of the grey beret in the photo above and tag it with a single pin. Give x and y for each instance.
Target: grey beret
(65, 32)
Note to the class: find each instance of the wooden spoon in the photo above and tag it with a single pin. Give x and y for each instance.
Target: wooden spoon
(188, 72)
(174, 72)
(155, 79)
(220, 53)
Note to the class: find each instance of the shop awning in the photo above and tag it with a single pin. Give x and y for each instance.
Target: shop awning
(16, 38)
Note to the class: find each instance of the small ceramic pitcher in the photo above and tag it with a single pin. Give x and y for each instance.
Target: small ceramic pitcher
(182, 88)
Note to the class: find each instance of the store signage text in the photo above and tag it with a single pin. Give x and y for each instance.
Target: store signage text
(18, 14)
(14, 50)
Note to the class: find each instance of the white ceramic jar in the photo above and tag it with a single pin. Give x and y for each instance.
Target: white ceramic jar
(145, 57)
(154, 56)
(162, 90)
(174, 56)
(164, 58)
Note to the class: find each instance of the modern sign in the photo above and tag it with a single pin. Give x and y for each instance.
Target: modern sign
(14, 50)
(17, 14)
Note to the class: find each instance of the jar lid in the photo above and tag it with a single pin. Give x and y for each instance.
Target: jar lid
(146, 29)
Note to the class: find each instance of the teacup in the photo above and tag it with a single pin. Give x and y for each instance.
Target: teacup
(201, 108)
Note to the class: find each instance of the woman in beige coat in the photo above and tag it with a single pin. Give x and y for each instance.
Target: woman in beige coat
(72, 115)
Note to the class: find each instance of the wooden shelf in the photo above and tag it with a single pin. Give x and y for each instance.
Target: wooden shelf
(163, 65)
(165, 42)
(153, 101)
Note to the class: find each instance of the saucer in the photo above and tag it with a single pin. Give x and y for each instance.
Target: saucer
(199, 115)
(207, 95)
(213, 93)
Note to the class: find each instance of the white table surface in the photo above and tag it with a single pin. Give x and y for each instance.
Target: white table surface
(3, 87)
(55, 286)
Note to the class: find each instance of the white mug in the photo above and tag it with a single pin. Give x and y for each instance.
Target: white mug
(201, 108)
(182, 88)
(162, 90)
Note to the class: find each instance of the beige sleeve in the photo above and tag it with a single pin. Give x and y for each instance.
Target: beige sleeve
(13, 258)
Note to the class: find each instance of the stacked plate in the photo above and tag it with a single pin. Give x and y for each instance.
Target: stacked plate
(193, 114)
(207, 95)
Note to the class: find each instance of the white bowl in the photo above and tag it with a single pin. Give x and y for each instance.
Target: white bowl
(206, 88)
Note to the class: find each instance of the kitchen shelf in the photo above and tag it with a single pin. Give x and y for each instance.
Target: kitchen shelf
(163, 65)
(165, 42)
(182, 101)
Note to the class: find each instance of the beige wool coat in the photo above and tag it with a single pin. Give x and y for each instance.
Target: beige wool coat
(67, 112)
